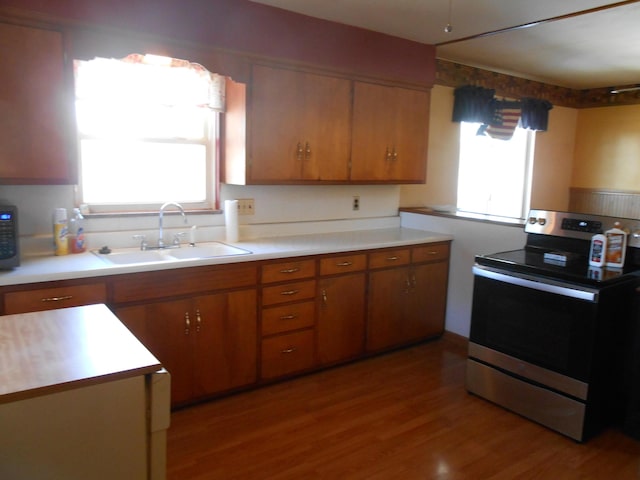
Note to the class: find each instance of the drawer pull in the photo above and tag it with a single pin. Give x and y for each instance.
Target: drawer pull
(344, 264)
(288, 317)
(289, 292)
(289, 350)
(57, 299)
(290, 270)
(433, 252)
(393, 259)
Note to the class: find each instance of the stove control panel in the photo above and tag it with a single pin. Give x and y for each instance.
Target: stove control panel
(578, 225)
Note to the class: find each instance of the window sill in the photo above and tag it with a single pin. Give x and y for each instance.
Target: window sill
(476, 217)
(148, 213)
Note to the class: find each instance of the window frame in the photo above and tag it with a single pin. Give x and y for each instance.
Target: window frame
(527, 158)
(211, 142)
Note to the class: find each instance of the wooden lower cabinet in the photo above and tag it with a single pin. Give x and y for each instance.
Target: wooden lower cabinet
(426, 305)
(208, 343)
(341, 318)
(219, 328)
(407, 304)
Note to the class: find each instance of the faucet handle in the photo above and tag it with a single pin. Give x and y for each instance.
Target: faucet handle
(143, 241)
(177, 237)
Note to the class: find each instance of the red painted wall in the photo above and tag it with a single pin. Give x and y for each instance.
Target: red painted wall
(249, 27)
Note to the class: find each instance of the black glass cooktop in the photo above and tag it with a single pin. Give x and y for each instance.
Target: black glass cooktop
(557, 265)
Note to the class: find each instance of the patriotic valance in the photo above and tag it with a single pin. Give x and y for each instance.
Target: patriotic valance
(499, 118)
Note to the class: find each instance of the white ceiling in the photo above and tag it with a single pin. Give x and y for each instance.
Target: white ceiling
(599, 49)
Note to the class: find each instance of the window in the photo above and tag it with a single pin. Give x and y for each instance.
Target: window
(494, 176)
(148, 132)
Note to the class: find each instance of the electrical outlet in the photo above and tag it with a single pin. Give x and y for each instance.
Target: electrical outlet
(356, 203)
(246, 206)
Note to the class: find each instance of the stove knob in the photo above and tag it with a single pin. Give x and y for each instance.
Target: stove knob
(532, 220)
(542, 221)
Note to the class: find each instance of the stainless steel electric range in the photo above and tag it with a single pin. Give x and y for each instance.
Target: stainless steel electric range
(547, 330)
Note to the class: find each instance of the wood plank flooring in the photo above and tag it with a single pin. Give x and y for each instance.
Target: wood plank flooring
(404, 415)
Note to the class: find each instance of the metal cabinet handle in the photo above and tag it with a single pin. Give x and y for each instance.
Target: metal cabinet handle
(289, 350)
(299, 151)
(307, 151)
(187, 323)
(394, 155)
(324, 296)
(290, 270)
(289, 292)
(288, 317)
(393, 259)
(57, 299)
(198, 320)
(344, 264)
(387, 154)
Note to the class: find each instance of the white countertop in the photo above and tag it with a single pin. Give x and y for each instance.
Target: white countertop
(34, 269)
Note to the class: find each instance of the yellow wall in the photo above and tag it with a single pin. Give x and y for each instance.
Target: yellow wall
(442, 164)
(552, 163)
(608, 148)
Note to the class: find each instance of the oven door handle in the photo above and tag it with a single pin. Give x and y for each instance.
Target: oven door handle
(567, 291)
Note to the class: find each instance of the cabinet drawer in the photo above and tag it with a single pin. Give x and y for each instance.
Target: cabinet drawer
(288, 317)
(430, 253)
(343, 264)
(56, 297)
(182, 281)
(286, 271)
(289, 292)
(390, 258)
(286, 354)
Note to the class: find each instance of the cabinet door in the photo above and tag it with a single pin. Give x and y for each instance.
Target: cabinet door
(225, 350)
(390, 132)
(36, 108)
(299, 126)
(388, 292)
(276, 124)
(426, 303)
(170, 330)
(327, 128)
(341, 317)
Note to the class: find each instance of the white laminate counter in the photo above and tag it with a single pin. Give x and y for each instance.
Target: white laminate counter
(49, 268)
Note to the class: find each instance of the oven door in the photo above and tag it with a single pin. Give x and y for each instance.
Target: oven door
(544, 326)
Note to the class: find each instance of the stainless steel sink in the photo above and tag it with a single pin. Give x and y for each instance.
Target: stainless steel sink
(130, 256)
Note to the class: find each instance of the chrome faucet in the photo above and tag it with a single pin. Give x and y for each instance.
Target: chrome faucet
(160, 215)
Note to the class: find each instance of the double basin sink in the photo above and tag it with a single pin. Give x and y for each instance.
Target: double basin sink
(129, 256)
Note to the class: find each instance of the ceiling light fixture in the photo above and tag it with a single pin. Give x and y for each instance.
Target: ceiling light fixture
(449, 28)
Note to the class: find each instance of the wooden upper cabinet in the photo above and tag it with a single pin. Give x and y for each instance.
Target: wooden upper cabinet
(36, 108)
(390, 134)
(300, 126)
(294, 127)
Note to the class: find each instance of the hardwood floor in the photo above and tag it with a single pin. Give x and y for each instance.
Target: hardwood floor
(404, 415)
